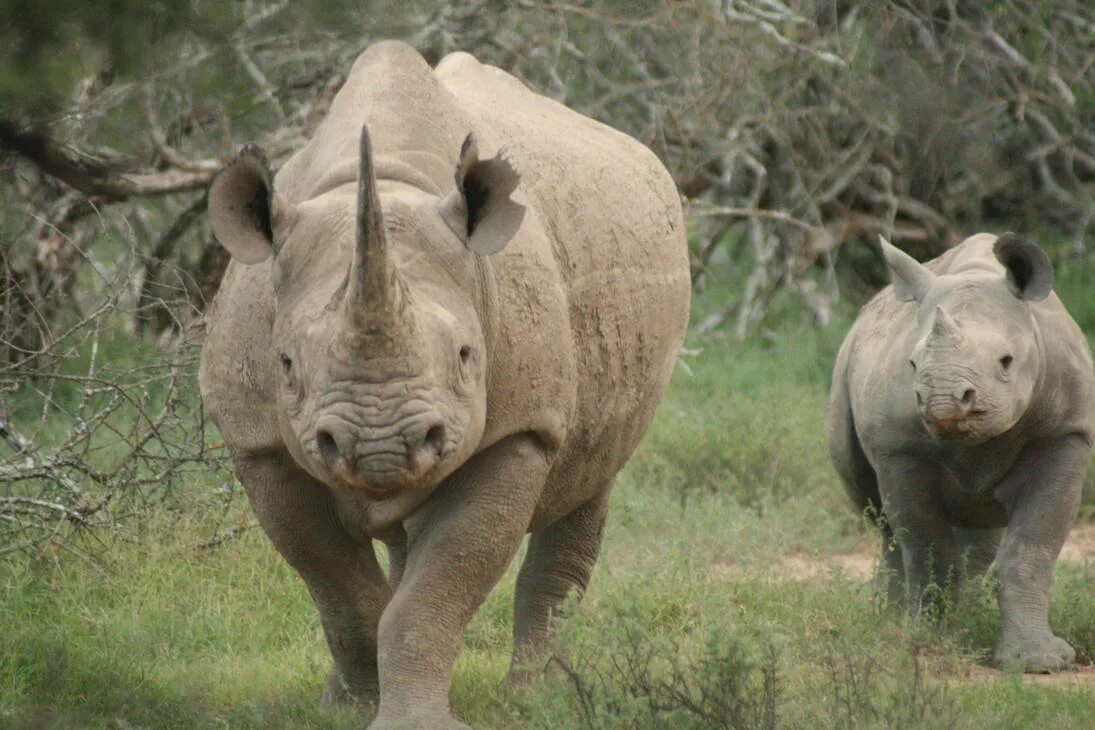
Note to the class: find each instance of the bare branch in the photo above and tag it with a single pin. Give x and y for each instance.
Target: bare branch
(95, 175)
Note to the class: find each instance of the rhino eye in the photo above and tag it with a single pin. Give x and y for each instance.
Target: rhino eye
(465, 353)
(286, 362)
(913, 364)
(1005, 361)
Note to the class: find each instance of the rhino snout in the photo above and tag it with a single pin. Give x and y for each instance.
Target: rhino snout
(380, 464)
(945, 411)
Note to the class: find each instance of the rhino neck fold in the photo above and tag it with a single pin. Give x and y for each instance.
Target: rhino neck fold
(486, 295)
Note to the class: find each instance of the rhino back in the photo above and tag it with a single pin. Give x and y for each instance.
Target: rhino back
(412, 119)
(613, 239)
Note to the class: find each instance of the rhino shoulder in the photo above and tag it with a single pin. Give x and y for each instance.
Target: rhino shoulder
(528, 391)
(235, 376)
(880, 321)
(1069, 382)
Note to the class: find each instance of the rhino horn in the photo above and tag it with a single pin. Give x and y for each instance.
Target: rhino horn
(911, 279)
(944, 329)
(376, 295)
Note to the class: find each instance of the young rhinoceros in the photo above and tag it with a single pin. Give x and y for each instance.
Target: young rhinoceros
(377, 377)
(961, 411)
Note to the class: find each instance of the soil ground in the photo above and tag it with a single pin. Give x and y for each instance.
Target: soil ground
(860, 565)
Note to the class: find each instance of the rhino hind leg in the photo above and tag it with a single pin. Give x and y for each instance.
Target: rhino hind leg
(342, 575)
(559, 562)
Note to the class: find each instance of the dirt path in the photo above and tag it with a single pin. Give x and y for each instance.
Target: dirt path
(1082, 677)
(1080, 545)
(860, 565)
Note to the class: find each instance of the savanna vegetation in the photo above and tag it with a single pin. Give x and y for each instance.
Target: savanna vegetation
(734, 587)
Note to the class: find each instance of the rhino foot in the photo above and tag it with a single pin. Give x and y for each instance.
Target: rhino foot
(1039, 654)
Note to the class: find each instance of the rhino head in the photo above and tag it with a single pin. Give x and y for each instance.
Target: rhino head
(381, 359)
(978, 356)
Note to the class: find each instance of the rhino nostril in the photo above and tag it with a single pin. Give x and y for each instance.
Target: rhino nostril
(426, 454)
(435, 438)
(328, 449)
(967, 397)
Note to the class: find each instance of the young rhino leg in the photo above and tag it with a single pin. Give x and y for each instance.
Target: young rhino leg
(560, 560)
(891, 570)
(1042, 495)
(342, 575)
(977, 549)
(927, 546)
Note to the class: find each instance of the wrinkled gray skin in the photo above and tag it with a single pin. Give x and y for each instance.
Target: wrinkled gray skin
(961, 408)
(417, 346)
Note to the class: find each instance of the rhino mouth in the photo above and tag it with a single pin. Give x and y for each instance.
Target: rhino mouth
(382, 469)
(963, 430)
(948, 430)
(377, 489)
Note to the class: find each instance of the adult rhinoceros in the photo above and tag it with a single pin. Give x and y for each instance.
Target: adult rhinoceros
(962, 404)
(376, 376)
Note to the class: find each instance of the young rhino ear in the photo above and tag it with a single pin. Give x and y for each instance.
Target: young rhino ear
(479, 209)
(240, 201)
(1029, 270)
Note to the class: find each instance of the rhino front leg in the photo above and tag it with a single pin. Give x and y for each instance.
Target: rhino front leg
(1042, 495)
(342, 575)
(458, 546)
(560, 559)
(977, 549)
(914, 512)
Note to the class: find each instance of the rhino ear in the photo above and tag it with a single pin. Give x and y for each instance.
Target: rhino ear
(1029, 270)
(240, 202)
(479, 209)
(911, 279)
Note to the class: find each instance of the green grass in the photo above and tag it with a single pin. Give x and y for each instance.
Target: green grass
(689, 613)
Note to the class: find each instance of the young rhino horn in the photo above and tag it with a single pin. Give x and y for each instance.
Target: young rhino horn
(944, 329)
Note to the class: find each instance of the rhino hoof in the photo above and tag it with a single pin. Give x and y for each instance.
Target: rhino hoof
(1040, 655)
